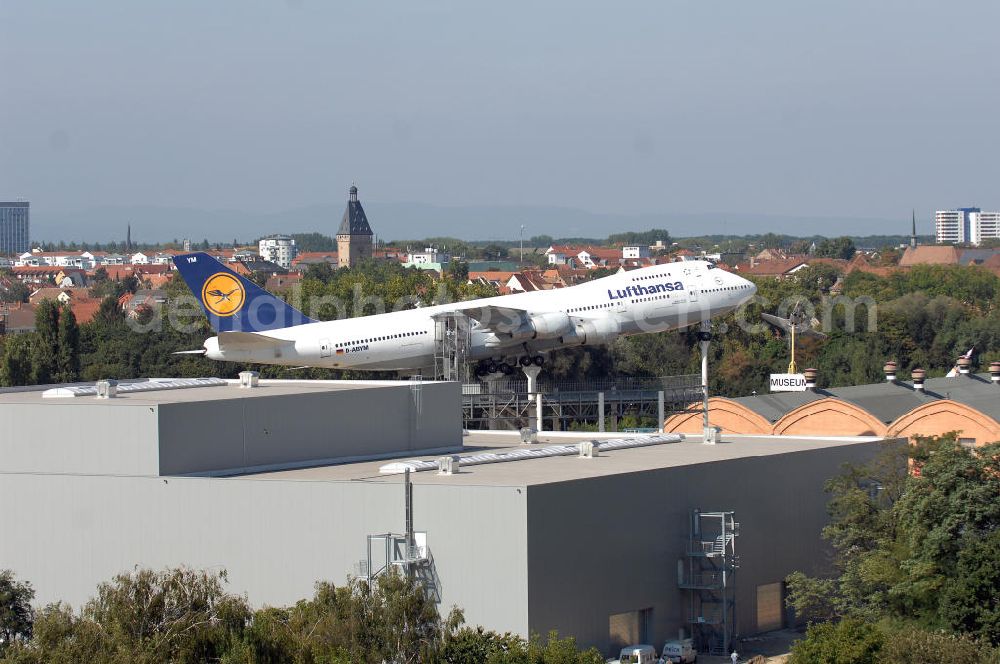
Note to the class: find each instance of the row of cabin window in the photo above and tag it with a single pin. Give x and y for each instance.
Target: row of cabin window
(652, 276)
(389, 336)
(593, 306)
(714, 290)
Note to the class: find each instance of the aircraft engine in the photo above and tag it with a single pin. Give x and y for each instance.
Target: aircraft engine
(550, 325)
(593, 331)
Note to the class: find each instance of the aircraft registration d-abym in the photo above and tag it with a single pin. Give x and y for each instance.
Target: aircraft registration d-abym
(255, 326)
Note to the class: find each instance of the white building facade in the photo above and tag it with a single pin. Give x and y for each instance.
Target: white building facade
(279, 249)
(966, 226)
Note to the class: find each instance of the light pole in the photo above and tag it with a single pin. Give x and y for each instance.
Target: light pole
(522, 244)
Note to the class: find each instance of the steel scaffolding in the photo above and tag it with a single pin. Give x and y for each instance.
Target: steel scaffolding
(708, 574)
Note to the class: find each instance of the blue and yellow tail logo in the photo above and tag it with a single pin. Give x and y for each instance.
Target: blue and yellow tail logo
(232, 302)
(223, 294)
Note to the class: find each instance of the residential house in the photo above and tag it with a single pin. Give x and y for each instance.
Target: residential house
(17, 318)
(61, 295)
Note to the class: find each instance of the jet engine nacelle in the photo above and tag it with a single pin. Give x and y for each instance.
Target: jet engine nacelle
(550, 325)
(592, 331)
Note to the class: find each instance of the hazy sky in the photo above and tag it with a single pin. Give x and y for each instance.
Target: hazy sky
(848, 109)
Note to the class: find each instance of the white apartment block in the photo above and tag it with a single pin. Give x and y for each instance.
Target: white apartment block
(279, 249)
(966, 226)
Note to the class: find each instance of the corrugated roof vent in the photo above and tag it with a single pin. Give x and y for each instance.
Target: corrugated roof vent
(107, 389)
(810, 375)
(249, 379)
(995, 372)
(890, 371)
(918, 376)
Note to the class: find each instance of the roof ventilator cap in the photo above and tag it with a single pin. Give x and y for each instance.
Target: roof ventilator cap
(249, 379)
(810, 376)
(529, 435)
(964, 364)
(448, 465)
(590, 449)
(918, 376)
(890, 371)
(995, 372)
(107, 389)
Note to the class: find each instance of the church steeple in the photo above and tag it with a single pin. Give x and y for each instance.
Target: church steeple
(354, 237)
(913, 230)
(128, 239)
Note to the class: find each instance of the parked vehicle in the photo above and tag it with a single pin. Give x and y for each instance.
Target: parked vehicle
(640, 654)
(679, 652)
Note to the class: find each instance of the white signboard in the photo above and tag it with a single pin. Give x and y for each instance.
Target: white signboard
(788, 383)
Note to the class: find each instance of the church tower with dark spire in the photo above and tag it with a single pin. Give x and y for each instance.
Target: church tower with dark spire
(913, 230)
(354, 237)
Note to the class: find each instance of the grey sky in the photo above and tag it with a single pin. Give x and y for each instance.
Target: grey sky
(850, 109)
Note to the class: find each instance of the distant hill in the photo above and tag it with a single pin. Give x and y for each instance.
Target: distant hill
(408, 220)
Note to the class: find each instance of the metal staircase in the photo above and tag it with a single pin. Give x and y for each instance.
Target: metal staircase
(708, 574)
(406, 553)
(452, 346)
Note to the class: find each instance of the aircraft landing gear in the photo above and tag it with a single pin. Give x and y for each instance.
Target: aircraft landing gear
(528, 360)
(487, 367)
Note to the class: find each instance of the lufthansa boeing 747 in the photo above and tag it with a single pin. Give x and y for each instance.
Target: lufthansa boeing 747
(254, 326)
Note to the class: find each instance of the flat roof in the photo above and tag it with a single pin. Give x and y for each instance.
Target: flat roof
(549, 470)
(194, 393)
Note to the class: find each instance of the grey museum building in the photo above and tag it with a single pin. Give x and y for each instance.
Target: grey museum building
(610, 538)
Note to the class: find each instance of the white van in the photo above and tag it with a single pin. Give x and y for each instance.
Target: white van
(637, 655)
(681, 652)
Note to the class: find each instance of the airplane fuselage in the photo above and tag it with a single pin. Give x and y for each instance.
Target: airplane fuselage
(652, 299)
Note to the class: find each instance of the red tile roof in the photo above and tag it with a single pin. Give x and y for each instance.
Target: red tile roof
(929, 255)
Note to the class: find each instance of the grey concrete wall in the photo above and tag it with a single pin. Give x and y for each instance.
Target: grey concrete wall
(284, 430)
(610, 545)
(65, 534)
(93, 437)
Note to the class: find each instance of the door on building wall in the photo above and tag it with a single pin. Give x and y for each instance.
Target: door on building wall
(770, 615)
(628, 629)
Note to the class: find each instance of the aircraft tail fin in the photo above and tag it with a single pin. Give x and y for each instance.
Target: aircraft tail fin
(232, 302)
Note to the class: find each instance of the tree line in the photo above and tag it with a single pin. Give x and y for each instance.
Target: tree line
(924, 317)
(186, 616)
(915, 538)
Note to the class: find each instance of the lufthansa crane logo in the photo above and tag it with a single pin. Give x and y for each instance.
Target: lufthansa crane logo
(223, 294)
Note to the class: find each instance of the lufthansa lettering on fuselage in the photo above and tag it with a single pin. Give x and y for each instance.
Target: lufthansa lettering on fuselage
(652, 289)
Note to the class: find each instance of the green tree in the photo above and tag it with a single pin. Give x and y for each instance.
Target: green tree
(457, 270)
(847, 642)
(969, 601)
(68, 358)
(841, 247)
(16, 614)
(909, 645)
(44, 364)
(16, 366)
(146, 617)
(13, 290)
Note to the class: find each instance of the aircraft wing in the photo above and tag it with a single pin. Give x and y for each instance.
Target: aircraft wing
(250, 341)
(784, 324)
(780, 323)
(497, 319)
